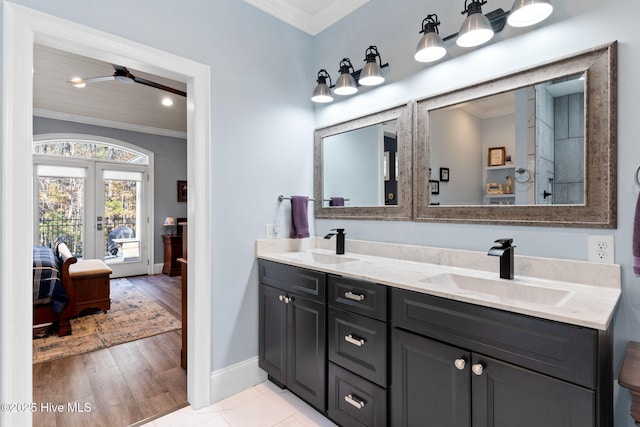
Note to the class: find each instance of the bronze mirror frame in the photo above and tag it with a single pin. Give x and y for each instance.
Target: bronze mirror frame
(600, 207)
(404, 209)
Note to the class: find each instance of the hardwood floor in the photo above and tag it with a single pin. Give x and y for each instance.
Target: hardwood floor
(120, 385)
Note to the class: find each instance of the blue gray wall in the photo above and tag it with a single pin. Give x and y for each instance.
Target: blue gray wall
(170, 157)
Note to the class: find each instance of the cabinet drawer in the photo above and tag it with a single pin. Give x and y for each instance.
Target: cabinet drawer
(564, 351)
(293, 279)
(366, 298)
(359, 344)
(354, 401)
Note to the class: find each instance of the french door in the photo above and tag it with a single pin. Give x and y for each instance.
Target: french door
(98, 208)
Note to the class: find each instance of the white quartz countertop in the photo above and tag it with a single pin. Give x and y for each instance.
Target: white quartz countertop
(584, 304)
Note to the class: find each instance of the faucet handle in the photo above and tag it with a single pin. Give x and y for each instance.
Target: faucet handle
(504, 243)
(339, 230)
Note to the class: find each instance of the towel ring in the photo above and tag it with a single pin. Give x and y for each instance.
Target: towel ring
(638, 176)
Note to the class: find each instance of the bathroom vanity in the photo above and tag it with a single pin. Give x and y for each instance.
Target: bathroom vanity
(398, 334)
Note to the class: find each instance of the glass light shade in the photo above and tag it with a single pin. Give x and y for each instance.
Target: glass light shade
(346, 85)
(371, 74)
(475, 30)
(322, 93)
(430, 48)
(529, 12)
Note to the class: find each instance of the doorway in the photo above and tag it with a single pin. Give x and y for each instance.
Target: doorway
(22, 27)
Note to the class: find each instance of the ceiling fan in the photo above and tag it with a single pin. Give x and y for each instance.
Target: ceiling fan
(123, 75)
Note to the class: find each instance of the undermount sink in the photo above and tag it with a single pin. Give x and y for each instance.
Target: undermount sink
(505, 289)
(320, 258)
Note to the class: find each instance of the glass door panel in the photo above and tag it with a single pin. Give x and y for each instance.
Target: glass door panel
(122, 225)
(61, 206)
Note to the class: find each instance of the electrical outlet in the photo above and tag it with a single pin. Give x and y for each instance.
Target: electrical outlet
(601, 249)
(271, 231)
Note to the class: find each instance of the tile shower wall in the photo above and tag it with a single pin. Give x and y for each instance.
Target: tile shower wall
(569, 149)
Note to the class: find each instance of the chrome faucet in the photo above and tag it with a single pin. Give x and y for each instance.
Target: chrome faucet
(339, 240)
(505, 251)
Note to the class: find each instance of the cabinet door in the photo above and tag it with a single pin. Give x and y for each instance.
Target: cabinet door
(427, 389)
(307, 350)
(273, 332)
(505, 395)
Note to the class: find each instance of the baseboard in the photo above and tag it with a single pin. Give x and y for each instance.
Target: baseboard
(157, 268)
(235, 378)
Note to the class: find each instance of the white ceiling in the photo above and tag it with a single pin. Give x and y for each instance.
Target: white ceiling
(110, 103)
(311, 16)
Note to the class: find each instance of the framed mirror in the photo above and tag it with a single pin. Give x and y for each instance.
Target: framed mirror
(363, 167)
(537, 147)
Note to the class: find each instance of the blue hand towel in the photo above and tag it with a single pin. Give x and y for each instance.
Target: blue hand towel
(336, 201)
(636, 239)
(299, 220)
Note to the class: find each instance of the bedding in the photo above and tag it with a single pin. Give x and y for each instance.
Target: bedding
(47, 283)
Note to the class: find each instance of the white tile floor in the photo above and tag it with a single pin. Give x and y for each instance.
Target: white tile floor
(264, 405)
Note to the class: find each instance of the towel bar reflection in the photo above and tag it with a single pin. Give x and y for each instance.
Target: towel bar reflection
(281, 198)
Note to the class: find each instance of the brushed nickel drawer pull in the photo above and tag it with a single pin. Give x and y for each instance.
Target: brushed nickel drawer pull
(355, 297)
(354, 340)
(354, 401)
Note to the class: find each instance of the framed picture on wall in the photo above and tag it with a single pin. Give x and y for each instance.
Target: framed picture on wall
(496, 156)
(444, 174)
(434, 186)
(182, 191)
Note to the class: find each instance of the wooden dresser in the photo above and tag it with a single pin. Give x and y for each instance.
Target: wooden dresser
(172, 251)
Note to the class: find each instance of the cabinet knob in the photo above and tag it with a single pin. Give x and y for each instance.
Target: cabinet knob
(355, 401)
(460, 364)
(477, 369)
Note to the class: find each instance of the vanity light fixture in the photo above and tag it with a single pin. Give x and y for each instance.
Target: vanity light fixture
(529, 12)
(322, 92)
(371, 74)
(430, 47)
(476, 29)
(346, 84)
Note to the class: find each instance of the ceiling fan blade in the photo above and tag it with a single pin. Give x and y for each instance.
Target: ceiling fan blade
(159, 86)
(97, 79)
(76, 82)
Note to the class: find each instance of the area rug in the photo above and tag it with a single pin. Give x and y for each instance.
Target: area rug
(133, 316)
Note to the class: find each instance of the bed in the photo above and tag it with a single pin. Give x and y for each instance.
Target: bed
(54, 295)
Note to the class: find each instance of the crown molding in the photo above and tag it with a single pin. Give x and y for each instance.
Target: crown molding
(309, 22)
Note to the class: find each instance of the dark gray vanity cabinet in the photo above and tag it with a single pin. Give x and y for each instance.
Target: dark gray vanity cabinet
(358, 352)
(460, 365)
(292, 330)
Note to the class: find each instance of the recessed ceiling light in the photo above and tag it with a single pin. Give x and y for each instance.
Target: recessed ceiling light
(78, 82)
(167, 102)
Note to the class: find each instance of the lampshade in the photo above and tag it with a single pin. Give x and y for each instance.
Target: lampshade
(430, 47)
(476, 29)
(371, 74)
(529, 12)
(322, 92)
(169, 221)
(346, 84)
